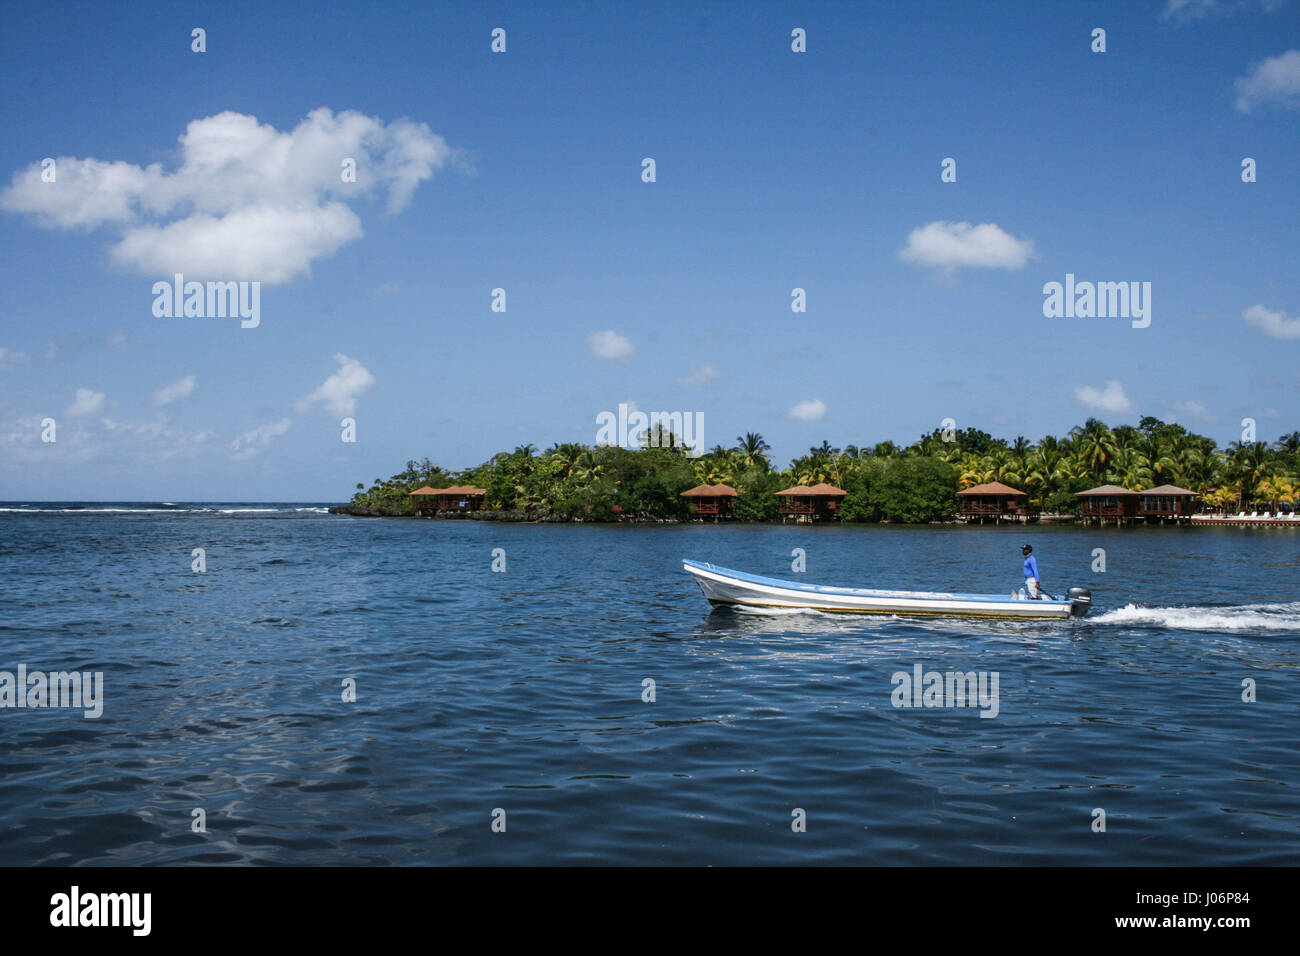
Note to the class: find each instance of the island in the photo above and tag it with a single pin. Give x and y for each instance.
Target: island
(1152, 472)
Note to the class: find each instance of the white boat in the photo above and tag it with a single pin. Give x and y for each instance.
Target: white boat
(723, 586)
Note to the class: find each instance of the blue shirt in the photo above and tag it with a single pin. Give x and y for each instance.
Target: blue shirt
(1031, 568)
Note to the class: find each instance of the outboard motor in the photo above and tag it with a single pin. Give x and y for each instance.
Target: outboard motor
(1080, 601)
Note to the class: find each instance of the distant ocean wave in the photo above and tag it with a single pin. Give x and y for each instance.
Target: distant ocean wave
(166, 507)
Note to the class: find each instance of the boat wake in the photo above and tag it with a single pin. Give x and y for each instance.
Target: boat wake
(1244, 617)
(776, 611)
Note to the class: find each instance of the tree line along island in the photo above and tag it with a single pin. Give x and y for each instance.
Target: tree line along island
(1154, 471)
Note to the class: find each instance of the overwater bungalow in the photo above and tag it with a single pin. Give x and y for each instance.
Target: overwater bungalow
(712, 500)
(1108, 503)
(818, 502)
(428, 500)
(993, 501)
(1168, 503)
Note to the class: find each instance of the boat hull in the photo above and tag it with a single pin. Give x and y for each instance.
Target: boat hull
(723, 587)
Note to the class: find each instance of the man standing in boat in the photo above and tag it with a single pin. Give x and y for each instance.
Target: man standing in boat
(1031, 573)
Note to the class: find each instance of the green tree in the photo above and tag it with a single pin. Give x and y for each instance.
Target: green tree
(753, 451)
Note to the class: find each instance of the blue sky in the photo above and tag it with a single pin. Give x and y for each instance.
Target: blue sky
(523, 171)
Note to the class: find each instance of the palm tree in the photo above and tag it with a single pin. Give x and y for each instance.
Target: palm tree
(932, 445)
(660, 436)
(567, 455)
(1288, 443)
(1042, 470)
(587, 468)
(711, 472)
(841, 467)
(1220, 498)
(753, 450)
(1247, 466)
(1274, 489)
(1194, 468)
(1130, 469)
(1097, 447)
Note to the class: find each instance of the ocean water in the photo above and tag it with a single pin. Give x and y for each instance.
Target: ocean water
(517, 695)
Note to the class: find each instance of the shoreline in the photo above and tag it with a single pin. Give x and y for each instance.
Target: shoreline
(519, 517)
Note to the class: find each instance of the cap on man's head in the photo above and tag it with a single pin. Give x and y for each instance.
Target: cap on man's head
(1026, 549)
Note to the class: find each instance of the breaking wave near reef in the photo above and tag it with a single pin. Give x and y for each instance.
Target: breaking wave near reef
(160, 508)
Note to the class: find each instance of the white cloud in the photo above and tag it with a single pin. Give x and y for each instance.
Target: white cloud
(159, 438)
(262, 243)
(1188, 10)
(181, 388)
(251, 442)
(87, 402)
(951, 245)
(84, 341)
(809, 411)
(338, 394)
(1275, 325)
(700, 376)
(610, 345)
(1272, 82)
(110, 444)
(247, 200)
(20, 439)
(1108, 399)
(1194, 411)
(20, 431)
(11, 358)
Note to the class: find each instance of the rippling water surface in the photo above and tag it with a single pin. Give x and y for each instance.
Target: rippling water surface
(522, 691)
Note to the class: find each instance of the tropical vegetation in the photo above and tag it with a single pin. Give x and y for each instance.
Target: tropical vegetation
(884, 482)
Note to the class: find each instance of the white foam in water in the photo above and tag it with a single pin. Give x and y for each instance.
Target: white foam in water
(168, 511)
(1244, 617)
(85, 511)
(775, 611)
